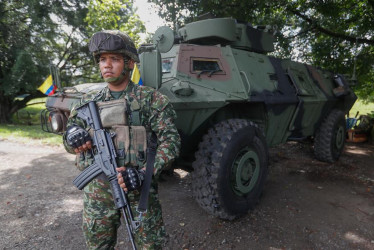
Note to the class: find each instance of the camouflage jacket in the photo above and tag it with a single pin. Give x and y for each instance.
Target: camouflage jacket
(156, 115)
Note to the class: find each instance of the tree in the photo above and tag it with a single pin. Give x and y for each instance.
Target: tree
(29, 35)
(36, 33)
(335, 35)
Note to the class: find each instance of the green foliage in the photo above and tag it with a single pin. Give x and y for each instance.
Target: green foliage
(326, 33)
(27, 128)
(31, 34)
(362, 107)
(36, 33)
(114, 14)
(30, 114)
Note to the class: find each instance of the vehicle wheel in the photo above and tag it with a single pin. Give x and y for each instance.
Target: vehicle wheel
(230, 168)
(330, 137)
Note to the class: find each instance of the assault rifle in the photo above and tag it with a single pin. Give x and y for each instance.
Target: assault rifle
(105, 162)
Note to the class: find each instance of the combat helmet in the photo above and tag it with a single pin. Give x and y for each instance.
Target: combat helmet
(112, 41)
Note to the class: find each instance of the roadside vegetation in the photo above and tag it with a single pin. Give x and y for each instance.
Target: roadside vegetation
(26, 126)
(363, 109)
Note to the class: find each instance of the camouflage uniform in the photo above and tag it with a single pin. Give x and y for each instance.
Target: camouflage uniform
(101, 219)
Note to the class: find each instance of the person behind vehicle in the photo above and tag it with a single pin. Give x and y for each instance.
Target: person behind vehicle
(133, 113)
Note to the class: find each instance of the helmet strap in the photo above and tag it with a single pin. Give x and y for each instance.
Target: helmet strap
(114, 79)
(123, 73)
(126, 63)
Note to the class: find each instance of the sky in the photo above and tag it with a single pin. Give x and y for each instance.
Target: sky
(148, 14)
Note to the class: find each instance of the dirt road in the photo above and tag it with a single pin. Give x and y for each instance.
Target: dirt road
(306, 204)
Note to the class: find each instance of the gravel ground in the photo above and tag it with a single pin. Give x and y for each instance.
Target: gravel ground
(306, 204)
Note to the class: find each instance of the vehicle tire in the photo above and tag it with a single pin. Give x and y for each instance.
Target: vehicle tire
(230, 168)
(330, 137)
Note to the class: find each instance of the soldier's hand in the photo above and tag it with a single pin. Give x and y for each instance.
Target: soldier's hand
(121, 181)
(130, 178)
(78, 138)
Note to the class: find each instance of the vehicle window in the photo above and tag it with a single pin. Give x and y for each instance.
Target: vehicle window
(206, 64)
(167, 63)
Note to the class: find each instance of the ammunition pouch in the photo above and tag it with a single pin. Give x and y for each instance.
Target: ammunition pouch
(113, 113)
(131, 145)
(130, 141)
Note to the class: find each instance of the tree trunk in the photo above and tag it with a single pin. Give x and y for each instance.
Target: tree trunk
(9, 106)
(5, 107)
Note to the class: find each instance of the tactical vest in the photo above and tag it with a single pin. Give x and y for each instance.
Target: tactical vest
(122, 118)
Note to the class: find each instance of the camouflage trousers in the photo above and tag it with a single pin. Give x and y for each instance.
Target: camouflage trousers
(101, 219)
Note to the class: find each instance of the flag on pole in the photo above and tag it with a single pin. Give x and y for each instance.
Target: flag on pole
(48, 87)
(135, 76)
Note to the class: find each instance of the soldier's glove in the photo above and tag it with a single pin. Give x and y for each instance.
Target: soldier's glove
(77, 136)
(133, 178)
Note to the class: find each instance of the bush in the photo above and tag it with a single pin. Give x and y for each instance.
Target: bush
(30, 115)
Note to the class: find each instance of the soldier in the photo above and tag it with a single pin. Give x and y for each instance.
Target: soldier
(134, 113)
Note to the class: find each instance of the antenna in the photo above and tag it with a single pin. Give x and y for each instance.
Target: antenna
(55, 72)
(354, 78)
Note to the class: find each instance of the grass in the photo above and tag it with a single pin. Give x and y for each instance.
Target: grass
(362, 108)
(31, 113)
(29, 134)
(26, 126)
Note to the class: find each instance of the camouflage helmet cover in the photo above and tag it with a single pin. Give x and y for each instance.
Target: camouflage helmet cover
(112, 41)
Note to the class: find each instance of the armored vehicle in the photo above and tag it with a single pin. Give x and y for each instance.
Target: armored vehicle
(233, 102)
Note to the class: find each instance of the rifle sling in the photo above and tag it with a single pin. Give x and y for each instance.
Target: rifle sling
(151, 155)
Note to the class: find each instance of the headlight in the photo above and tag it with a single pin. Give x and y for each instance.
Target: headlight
(56, 122)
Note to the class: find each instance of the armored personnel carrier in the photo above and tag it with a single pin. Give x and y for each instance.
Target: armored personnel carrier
(233, 102)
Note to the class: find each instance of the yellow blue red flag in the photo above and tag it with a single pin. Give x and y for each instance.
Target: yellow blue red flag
(135, 76)
(48, 87)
